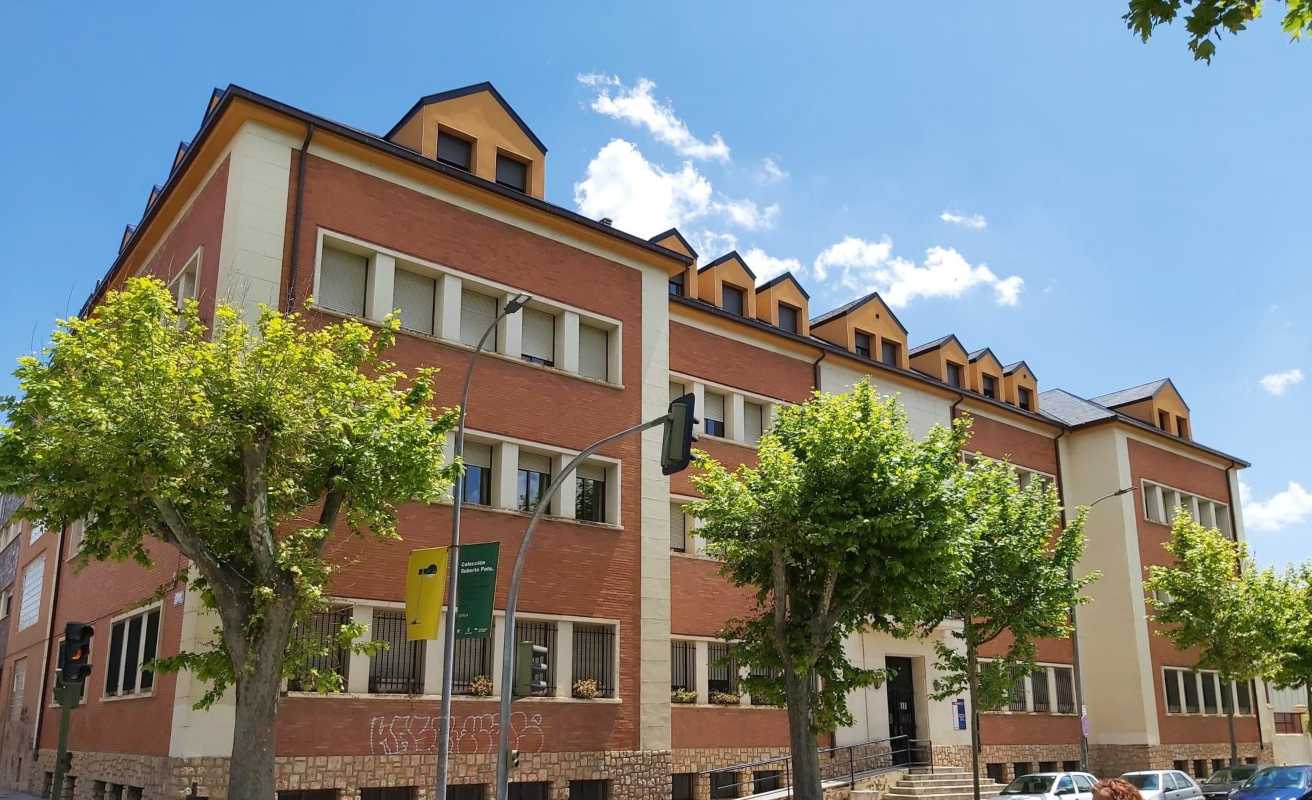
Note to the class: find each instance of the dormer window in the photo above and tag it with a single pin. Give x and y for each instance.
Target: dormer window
(512, 173)
(788, 318)
(676, 285)
(890, 353)
(990, 386)
(1164, 420)
(863, 344)
(734, 299)
(1026, 398)
(954, 375)
(455, 151)
(1182, 427)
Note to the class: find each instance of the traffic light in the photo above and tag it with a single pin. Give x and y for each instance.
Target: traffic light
(75, 652)
(514, 759)
(530, 669)
(676, 448)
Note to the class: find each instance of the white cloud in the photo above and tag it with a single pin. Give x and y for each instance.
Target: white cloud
(1293, 506)
(771, 172)
(1277, 382)
(861, 265)
(746, 214)
(767, 266)
(710, 245)
(975, 221)
(639, 196)
(636, 105)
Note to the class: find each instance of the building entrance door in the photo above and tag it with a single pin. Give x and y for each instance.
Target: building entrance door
(901, 707)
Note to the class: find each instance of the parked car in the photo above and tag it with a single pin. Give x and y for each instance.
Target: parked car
(1221, 783)
(1164, 784)
(1051, 786)
(1277, 783)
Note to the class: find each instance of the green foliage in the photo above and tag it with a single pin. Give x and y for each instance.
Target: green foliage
(1206, 20)
(1213, 598)
(240, 446)
(842, 524)
(1296, 662)
(1016, 577)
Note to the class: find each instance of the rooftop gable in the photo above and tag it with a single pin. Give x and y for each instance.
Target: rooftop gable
(848, 308)
(465, 91)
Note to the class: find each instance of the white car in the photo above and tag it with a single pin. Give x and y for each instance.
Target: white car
(1051, 786)
(1164, 784)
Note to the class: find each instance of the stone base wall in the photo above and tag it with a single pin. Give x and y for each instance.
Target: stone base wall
(1112, 759)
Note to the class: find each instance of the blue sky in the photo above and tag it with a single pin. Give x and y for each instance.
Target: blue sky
(1116, 212)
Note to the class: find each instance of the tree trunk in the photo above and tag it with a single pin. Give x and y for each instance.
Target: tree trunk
(801, 740)
(972, 690)
(251, 774)
(1230, 722)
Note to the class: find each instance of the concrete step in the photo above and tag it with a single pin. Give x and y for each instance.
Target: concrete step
(942, 793)
(945, 786)
(930, 780)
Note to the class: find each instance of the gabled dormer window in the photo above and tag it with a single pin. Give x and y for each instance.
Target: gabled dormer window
(890, 353)
(512, 172)
(954, 375)
(1182, 427)
(990, 386)
(676, 285)
(455, 151)
(733, 299)
(1025, 398)
(788, 318)
(1164, 421)
(863, 344)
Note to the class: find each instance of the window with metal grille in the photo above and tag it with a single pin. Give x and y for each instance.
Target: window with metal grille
(467, 791)
(683, 783)
(1016, 694)
(399, 669)
(1047, 766)
(683, 665)
(387, 793)
(473, 659)
(724, 784)
(1200, 768)
(996, 772)
(594, 655)
(765, 673)
(529, 790)
(301, 794)
(1065, 690)
(1070, 766)
(1021, 767)
(1039, 690)
(455, 151)
(589, 790)
(319, 634)
(722, 671)
(132, 645)
(766, 780)
(543, 634)
(1289, 722)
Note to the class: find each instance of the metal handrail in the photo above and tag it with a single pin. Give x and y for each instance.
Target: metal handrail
(855, 761)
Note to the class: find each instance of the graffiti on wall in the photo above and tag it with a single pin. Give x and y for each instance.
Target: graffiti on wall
(477, 733)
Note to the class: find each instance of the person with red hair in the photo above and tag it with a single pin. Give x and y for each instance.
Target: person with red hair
(1115, 789)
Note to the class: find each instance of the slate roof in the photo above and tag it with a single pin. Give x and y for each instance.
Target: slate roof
(1132, 395)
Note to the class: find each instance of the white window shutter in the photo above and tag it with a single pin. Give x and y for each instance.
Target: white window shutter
(539, 337)
(535, 462)
(594, 357)
(342, 279)
(714, 406)
(476, 313)
(34, 577)
(478, 454)
(414, 295)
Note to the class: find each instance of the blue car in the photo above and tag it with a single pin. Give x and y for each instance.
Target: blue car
(1277, 783)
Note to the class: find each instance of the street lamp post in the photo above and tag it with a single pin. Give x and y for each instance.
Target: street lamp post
(453, 556)
(1077, 673)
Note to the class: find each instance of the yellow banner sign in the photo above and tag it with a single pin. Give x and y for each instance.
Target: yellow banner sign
(425, 586)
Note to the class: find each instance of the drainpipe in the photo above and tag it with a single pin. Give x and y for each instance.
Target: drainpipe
(45, 656)
(815, 370)
(296, 218)
(1077, 674)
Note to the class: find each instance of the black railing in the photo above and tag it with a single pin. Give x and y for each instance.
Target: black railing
(399, 669)
(839, 766)
(722, 671)
(544, 635)
(683, 665)
(321, 630)
(594, 656)
(473, 659)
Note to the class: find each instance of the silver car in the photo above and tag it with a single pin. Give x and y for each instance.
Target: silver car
(1164, 784)
(1051, 786)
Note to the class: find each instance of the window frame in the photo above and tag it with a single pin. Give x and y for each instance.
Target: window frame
(599, 493)
(796, 316)
(193, 266)
(527, 164)
(988, 386)
(953, 370)
(40, 592)
(118, 671)
(887, 347)
(1025, 398)
(444, 130)
(721, 424)
(856, 343)
(729, 289)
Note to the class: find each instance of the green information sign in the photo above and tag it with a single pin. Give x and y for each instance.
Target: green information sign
(478, 582)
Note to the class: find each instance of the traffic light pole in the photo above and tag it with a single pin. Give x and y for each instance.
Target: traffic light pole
(512, 599)
(68, 695)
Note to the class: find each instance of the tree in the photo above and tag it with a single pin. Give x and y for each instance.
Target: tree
(1295, 667)
(843, 524)
(1016, 585)
(242, 448)
(1208, 19)
(1213, 599)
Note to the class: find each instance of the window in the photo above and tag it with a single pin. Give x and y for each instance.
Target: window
(677, 390)
(722, 669)
(342, 280)
(1244, 697)
(1171, 679)
(512, 172)
(1200, 768)
(763, 673)
(1065, 690)
(1082, 782)
(1065, 785)
(37, 530)
(1190, 680)
(589, 790)
(1227, 697)
(676, 285)
(1209, 693)
(1289, 722)
(1164, 421)
(477, 486)
(184, 285)
(77, 531)
(477, 311)
(455, 151)
(6, 603)
(996, 772)
(590, 494)
(678, 528)
(320, 633)
(132, 645)
(1039, 690)
(594, 352)
(683, 785)
(416, 296)
(766, 780)
(1016, 699)
(1020, 767)
(990, 386)
(29, 608)
(539, 339)
(734, 301)
(594, 655)
(890, 353)
(543, 634)
(713, 414)
(954, 374)
(473, 659)
(529, 790)
(387, 793)
(467, 791)
(1217, 764)
(788, 318)
(863, 344)
(724, 784)
(753, 421)
(532, 479)
(291, 794)
(683, 665)
(399, 669)
(1025, 398)
(18, 685)
(1182, 427)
